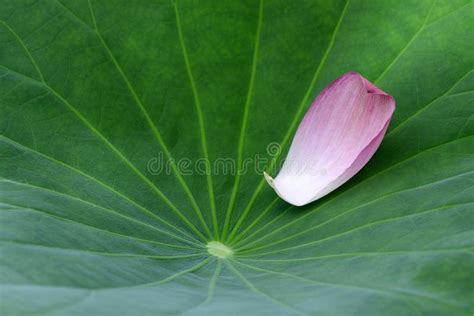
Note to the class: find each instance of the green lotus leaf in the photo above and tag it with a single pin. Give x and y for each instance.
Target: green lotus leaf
(134, 135)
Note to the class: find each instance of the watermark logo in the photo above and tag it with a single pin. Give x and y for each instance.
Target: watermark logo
(273, 149)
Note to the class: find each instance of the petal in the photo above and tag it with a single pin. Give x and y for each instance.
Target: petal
(338, 135)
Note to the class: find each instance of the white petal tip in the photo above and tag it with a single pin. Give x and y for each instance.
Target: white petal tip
(269, 179)
(294, 200)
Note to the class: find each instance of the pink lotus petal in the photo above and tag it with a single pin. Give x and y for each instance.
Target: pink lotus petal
(337, 137)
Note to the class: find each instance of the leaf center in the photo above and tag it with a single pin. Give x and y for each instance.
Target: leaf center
(218, 249)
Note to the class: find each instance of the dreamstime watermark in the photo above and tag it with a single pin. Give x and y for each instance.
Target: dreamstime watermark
(221, 166)
(161, 164)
